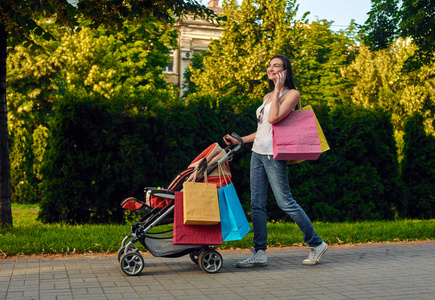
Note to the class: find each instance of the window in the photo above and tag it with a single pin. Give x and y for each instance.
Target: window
(170, 67)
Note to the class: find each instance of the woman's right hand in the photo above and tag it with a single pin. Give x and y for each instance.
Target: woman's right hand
(229, 140)
(280, 80)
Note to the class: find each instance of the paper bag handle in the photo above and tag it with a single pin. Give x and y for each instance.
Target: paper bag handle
(221, 172)
(201, 167)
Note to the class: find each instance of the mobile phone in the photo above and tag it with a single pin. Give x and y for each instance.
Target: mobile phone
(285, 72)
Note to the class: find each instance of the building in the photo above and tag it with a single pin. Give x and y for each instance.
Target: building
(194, 36)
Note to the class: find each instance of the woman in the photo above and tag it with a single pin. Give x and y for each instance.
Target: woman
(277, 105)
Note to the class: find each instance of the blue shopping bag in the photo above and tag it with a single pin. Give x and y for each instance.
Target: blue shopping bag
(234, 224)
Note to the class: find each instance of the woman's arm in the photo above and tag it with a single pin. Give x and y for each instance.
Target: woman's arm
(291, 99)
(246, 139)
(279, 112)
(249, 138)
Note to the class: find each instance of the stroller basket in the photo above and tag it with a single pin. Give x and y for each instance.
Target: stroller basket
(161, 245)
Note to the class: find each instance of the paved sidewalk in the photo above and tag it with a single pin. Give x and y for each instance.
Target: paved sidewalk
(388, 271)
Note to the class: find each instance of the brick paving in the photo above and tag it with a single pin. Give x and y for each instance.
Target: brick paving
(370, 271)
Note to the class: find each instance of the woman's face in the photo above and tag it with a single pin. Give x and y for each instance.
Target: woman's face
(274, 67)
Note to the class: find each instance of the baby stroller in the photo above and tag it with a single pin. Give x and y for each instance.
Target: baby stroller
(158, 206)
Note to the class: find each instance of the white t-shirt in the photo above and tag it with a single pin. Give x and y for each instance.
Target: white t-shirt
(263, 142)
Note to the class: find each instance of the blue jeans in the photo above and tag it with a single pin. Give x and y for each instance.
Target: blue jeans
(265, 170)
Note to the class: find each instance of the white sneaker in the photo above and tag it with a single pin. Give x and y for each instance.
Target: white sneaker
(257, 259)
(315, 254)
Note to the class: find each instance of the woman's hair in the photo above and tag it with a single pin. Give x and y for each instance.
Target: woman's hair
(289, 81)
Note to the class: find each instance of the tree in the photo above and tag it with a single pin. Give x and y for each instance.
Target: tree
(127, 62)
(319, 58)
(255, 32)
(390, 19)
(30, 96)
(18, 21)
(379, 81)
(418, 22)
(381, 27)
(5, 189)
(195, 64)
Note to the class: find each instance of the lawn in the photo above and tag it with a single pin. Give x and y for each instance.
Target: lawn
(29, 236)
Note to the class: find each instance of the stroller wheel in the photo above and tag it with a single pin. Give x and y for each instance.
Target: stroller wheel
(132, 263)
(210, 261)
(122, 250)
(194, 256)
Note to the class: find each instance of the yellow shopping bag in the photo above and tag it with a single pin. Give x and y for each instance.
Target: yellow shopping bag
(200, 202)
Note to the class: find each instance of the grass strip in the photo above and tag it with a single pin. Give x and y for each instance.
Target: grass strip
(29, 236)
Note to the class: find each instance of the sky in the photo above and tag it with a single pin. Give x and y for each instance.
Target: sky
(339, 11)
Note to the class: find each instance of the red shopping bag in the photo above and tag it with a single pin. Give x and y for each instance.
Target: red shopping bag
(193, 234)
(296, 137)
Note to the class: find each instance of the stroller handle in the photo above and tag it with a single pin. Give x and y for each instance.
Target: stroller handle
(230, 149)
(237, 146)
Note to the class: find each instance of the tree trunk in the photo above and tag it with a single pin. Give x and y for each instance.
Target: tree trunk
(5, 175)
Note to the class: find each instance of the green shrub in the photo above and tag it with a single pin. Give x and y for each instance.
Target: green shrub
(96, 156)
(418, 169)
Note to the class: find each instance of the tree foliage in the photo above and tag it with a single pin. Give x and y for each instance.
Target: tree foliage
(116, 12)
(20, 17)
(318, 61)
(196, 63)
(381, 27)
(418, 22)
(118, 66)
(128, 62)
(379, 81)
(256, 31)
(390, 19)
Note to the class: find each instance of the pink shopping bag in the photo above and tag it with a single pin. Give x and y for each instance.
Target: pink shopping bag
(296, 137)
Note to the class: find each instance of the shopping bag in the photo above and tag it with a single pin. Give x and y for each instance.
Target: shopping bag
(200, 202)
(193, 234)
(296, 137)
(234, 224)
(323, 142)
